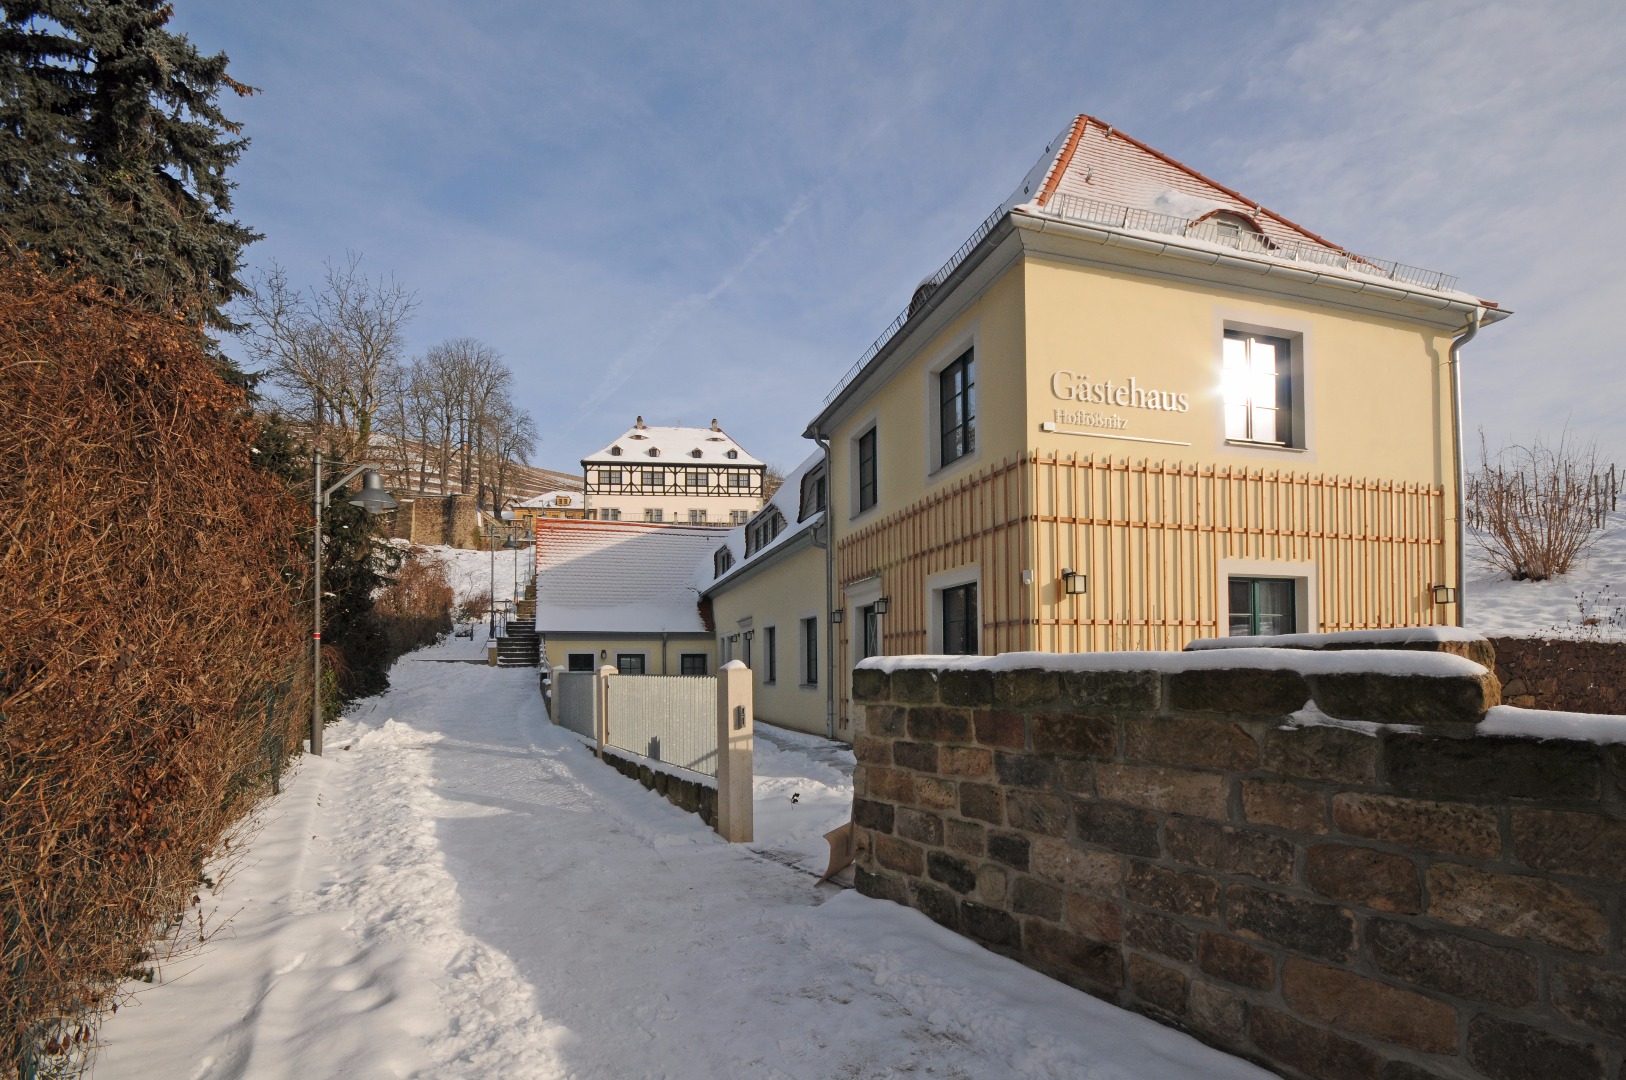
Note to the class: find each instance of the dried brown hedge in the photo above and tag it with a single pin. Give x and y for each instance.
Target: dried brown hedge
(150, 650)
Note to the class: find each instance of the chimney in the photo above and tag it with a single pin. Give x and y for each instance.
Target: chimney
(714, 426)
(640, 424)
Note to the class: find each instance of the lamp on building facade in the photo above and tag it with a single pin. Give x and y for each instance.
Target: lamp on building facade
(836, 615)
(1073, 583)
(882, 604)
(1444, 594)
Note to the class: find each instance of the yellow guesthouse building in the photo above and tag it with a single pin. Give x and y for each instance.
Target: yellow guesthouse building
(1138, 408)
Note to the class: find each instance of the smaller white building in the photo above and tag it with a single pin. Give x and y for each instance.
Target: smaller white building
(767, 584)
(673, 475)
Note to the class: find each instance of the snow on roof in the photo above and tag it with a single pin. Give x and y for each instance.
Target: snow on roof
(786, 501)
(574, 500)
(674, 445)
(611, 576)
(1095, 161)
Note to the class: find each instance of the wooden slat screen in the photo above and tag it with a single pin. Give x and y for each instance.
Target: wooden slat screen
(1151, 536)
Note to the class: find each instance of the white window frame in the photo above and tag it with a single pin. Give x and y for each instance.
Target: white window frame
(948, 579)
(969, 339)
(858, 596)
(1301, 372)
(770, 654)
(1306, 590)
(819, 643)
(869, 424)
(654, 515)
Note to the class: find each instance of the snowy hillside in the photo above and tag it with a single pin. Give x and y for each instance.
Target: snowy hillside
(1496, 605)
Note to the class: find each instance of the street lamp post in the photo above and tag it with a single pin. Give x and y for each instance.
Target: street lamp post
(373, 499)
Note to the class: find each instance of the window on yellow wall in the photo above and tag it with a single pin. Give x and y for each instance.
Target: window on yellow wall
(1257, 380)
(867, 473)
(956, 410)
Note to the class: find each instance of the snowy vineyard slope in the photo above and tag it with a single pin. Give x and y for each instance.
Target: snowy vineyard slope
(466, 892)
(1498, 606)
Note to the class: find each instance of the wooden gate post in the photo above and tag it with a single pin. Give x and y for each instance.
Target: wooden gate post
(735, 742)
(553, 698)
(601, 706)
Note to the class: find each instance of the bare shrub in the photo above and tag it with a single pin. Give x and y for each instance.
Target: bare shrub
(474, 606)
(415, 608)
(1537, 507)
(152, 682)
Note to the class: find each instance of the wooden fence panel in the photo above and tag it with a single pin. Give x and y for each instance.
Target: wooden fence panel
(1151, 536)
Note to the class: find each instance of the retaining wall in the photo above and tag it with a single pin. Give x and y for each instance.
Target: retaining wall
(1355, 902)
(1568, 675)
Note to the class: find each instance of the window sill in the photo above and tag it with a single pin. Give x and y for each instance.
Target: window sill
(807, 686)
(1282, 447)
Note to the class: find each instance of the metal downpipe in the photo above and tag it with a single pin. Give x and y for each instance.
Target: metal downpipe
(1468, 335)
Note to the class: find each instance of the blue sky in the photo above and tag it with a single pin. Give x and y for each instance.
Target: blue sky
(697, 210)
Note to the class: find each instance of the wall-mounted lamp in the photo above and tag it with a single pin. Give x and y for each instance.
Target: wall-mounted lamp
(733, 637)
(882, 604)
(837, 615)
(1074, 583)
(604, 654)
(749, 634)
(1444, 594)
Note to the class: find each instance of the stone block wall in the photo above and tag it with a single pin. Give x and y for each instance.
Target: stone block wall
(1568, 675)
(685, 794)
(435, 519)
(1355, 902)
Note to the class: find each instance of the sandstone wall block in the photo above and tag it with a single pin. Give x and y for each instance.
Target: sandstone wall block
(1452, 964)
(1447, 828)
(1508, 1050)
(1324, 931)
(1406, 699)
(1284, 805)
(1179, 791)
(1115, 691)
(1204, 744)
(1333, 996)
(1365, 877)
(1260, 693)
(1529, 908)
(1229, 850)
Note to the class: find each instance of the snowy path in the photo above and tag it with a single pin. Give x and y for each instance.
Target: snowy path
(466, 892)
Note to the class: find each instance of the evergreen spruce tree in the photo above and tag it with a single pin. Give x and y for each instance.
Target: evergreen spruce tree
(114, 153)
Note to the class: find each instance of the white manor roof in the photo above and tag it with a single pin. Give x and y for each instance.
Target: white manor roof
(618, 577)
(642, 443)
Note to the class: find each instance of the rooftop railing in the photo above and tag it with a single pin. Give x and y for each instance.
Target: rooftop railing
(1074, 208)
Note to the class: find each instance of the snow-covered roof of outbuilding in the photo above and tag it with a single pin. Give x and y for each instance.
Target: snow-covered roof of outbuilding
(618, 577)
(573, 500)
(787, 501)
(674, 445)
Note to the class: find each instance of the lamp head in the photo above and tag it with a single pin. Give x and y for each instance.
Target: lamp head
(373, 498)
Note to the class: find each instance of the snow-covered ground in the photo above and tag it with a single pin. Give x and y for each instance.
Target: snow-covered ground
(475, 572)
(460, 889)
(1496, 605)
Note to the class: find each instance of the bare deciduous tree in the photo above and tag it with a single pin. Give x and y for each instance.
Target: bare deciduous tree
(335, 351)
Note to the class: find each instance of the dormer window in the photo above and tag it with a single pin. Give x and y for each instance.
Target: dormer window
(615, 451)
(732, 454)
(654, 451)
(761, 532)
(1234, 229)
(721, 561)
(695, 452)
(813, 494)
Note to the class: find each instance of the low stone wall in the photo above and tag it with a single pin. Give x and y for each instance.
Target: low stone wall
(1567, 675)
(435, 519)
(1334, 902)
(690, 795)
